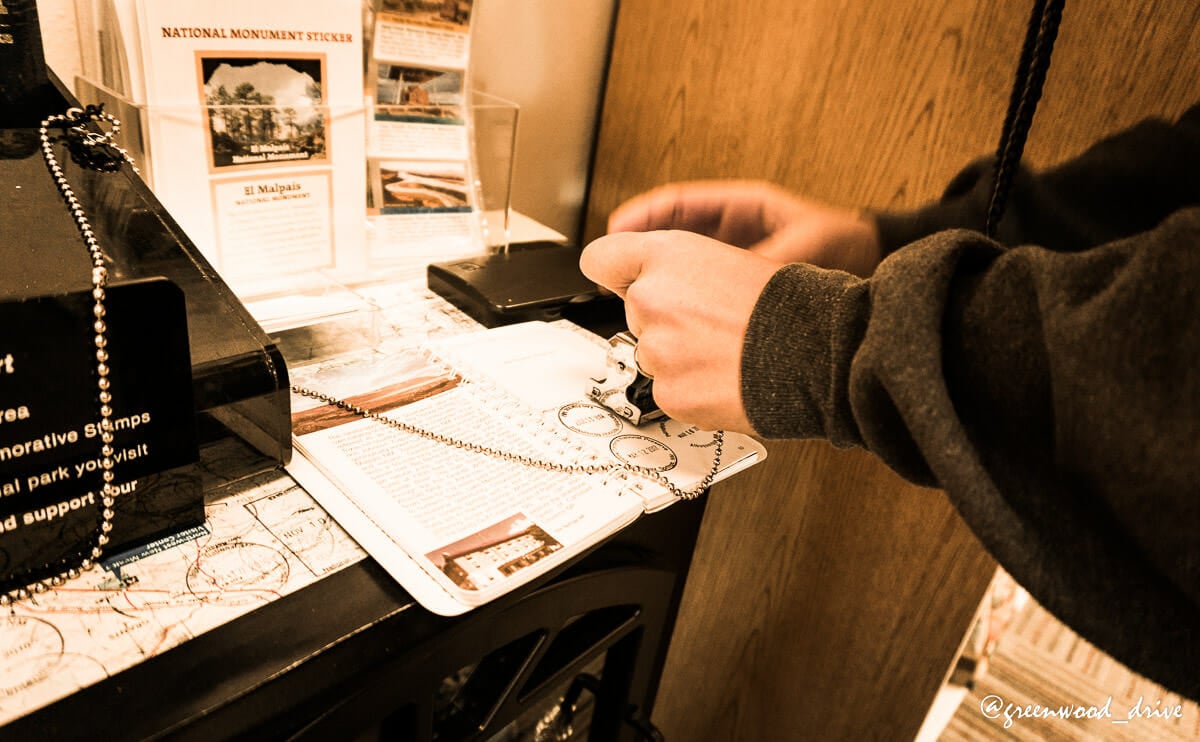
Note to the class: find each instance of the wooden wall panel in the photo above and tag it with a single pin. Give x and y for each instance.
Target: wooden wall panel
(828, 596)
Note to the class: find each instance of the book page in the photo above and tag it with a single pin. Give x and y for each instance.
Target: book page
(474, 526)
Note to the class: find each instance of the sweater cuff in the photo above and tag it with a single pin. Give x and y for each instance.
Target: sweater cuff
(802, 336)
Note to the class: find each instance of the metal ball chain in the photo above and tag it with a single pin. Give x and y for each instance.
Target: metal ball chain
(553, 466)
(74, 125)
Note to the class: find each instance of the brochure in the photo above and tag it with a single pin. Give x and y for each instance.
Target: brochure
(255, 124)
(458, 526)
(423, 189)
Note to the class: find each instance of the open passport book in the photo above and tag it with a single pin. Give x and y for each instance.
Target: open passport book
(458, 528)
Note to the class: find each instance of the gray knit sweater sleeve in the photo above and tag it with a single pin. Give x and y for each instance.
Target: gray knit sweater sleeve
(1053, 393)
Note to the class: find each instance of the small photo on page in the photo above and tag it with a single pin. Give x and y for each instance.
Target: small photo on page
(494, 554)
(264, 110)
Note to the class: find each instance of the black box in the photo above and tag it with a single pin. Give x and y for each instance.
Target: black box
(529, 281)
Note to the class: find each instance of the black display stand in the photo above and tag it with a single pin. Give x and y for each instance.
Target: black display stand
(354, 657)
(239, 379)
(226, 388)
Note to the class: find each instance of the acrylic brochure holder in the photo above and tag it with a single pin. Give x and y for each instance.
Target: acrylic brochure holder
(321, 301)
(480, 137)
(227, 205)
(493, 144)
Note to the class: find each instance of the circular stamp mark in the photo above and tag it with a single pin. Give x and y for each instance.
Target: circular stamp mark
(589, 419)
(237, 572)
(79, 671)
(31, 650)
(643, 452)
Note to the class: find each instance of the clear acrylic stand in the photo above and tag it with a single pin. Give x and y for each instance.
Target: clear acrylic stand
(323, 301)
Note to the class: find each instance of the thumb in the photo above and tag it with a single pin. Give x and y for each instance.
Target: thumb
(615, 261)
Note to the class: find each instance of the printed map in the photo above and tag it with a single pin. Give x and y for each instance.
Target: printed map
(265, 539)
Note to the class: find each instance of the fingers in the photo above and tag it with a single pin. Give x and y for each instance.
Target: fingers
(640, 363)
(829, 237)
(671, 206)
(734, 212)
(668, 273)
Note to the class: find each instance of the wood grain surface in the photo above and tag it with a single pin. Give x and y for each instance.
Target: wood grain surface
(828, 596)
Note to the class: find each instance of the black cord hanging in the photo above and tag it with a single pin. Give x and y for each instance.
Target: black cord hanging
(1027, 90)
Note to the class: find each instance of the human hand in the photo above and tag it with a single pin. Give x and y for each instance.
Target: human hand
(688, 300)
(759, 217)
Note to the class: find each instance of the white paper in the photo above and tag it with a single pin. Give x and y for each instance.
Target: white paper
(438, 504)
(264, 539)
(423, 33)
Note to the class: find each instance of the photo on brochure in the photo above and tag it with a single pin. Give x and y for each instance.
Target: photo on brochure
(418, 95)
(264, 110)
(412, 187)
(443, 14)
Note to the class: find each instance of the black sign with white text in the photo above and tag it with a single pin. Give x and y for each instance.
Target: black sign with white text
(50, 457)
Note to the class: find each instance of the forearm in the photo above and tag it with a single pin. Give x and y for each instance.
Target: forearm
(1052, 395)
(1120, 186)
(963, 333)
